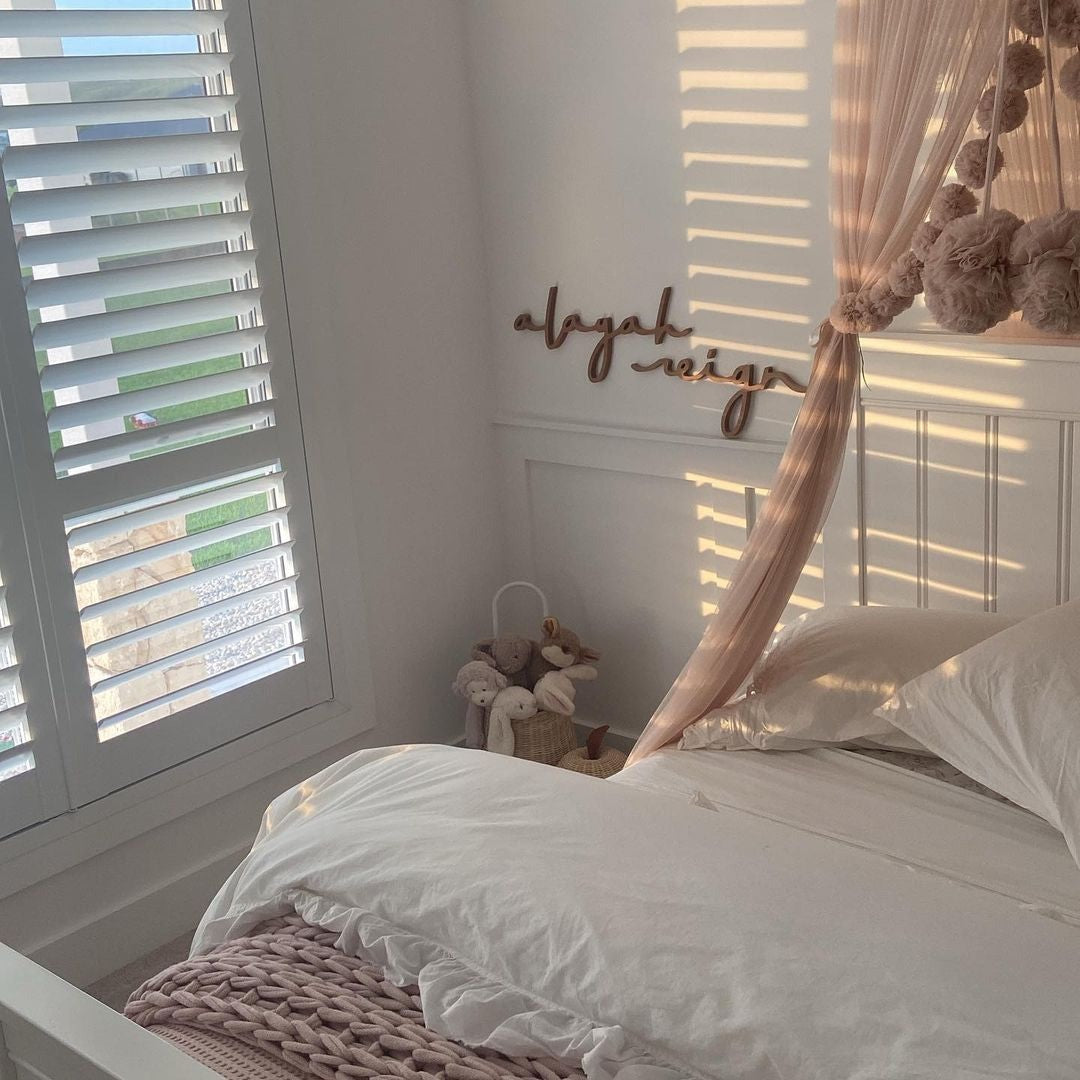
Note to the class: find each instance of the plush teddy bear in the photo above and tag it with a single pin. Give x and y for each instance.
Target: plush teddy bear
(559, 648)
(513, 703)
(478, 683)
(508, 654)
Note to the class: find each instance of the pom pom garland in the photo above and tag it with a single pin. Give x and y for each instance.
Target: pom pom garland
(967, 288)
(1027, 17)
(1014, 109)
(972, 159)
(951, 202)
(1069, 77)
(1024, 65)
(1065, 22)
(885, 303)
(1044, 271)
(905, 276)
(922, 240)
(856, 313)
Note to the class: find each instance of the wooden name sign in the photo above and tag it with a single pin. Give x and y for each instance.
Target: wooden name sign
(736, 412)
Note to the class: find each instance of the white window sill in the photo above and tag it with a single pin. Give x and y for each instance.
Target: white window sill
(41, 851)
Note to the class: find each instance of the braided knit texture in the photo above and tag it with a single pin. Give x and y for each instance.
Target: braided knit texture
(287, 991)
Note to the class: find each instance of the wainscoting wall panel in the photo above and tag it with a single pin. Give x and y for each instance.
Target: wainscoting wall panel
(634, 536)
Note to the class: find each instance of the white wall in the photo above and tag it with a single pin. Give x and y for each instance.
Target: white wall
(371, 147)
(374, 174)
(607, 132)
(630, 144)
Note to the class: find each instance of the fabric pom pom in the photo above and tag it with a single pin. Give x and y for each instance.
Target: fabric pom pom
(971, 162)
(922, 240)
(1065, 22)
(844, 314)
(965, 277)
(885, 303)
(1027, 17)
(951, 202)
(1014, 109)
(970, 244)
(1024, 65)
(905, 276)
(854, 313)
(1045, 272)
(1069, 77)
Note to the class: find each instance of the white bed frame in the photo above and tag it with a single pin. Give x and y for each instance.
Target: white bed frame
(49, 1030)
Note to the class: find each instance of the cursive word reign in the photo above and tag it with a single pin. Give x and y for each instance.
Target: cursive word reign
(737, 410)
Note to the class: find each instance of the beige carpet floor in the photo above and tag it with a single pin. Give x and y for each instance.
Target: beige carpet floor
(114, 989)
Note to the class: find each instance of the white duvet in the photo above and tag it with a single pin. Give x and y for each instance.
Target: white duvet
(543, 912)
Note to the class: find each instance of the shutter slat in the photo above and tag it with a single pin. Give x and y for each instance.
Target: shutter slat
(87, 200)
(147, 23)
(6, 637)
(133, 111)
(15, 755)
(152, 358)
(99, 452)
(132, 560)
(173, 508)
(130, 280)
(114, 406)
(216, 684)
(9, 677)
(162, 589)
(136, 320)
(163, 663)
(82, 244)
(61, 69)
(118, 155)
(186, 618)
(13, 717)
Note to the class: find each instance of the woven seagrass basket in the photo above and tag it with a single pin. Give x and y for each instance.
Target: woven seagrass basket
(546, 737)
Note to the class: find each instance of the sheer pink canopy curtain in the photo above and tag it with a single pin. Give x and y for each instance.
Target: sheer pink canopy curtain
(907, 77)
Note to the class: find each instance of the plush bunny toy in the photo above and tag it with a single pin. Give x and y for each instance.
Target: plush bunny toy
(555, 691)
(513, 703)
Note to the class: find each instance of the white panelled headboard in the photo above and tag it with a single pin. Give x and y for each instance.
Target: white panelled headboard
(961, 490)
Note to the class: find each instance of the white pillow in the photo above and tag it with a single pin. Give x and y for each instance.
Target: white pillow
(1007, 713)
(824, 675)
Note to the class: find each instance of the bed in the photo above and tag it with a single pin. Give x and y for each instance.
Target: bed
(552, 917)
(813, 886)
(546, 914)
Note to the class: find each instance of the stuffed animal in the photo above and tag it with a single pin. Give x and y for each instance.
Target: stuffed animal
(478, 683)
(560, 648)
(513, 703)
(555, 690)
(508, 654)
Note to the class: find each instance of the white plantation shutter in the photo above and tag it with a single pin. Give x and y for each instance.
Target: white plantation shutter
(160, 459)
(31, 781)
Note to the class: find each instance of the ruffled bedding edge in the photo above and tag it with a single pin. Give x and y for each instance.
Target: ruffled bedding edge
(459, 999)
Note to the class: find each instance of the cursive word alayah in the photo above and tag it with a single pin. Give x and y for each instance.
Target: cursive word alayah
(736, 412)
(604, 352)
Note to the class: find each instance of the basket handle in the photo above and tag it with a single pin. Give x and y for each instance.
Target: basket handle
(514, 585)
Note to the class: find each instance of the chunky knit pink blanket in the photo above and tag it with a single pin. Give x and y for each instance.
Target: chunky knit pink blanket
(296, 1007)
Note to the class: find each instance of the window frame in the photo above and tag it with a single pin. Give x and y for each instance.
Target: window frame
(95, 769)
